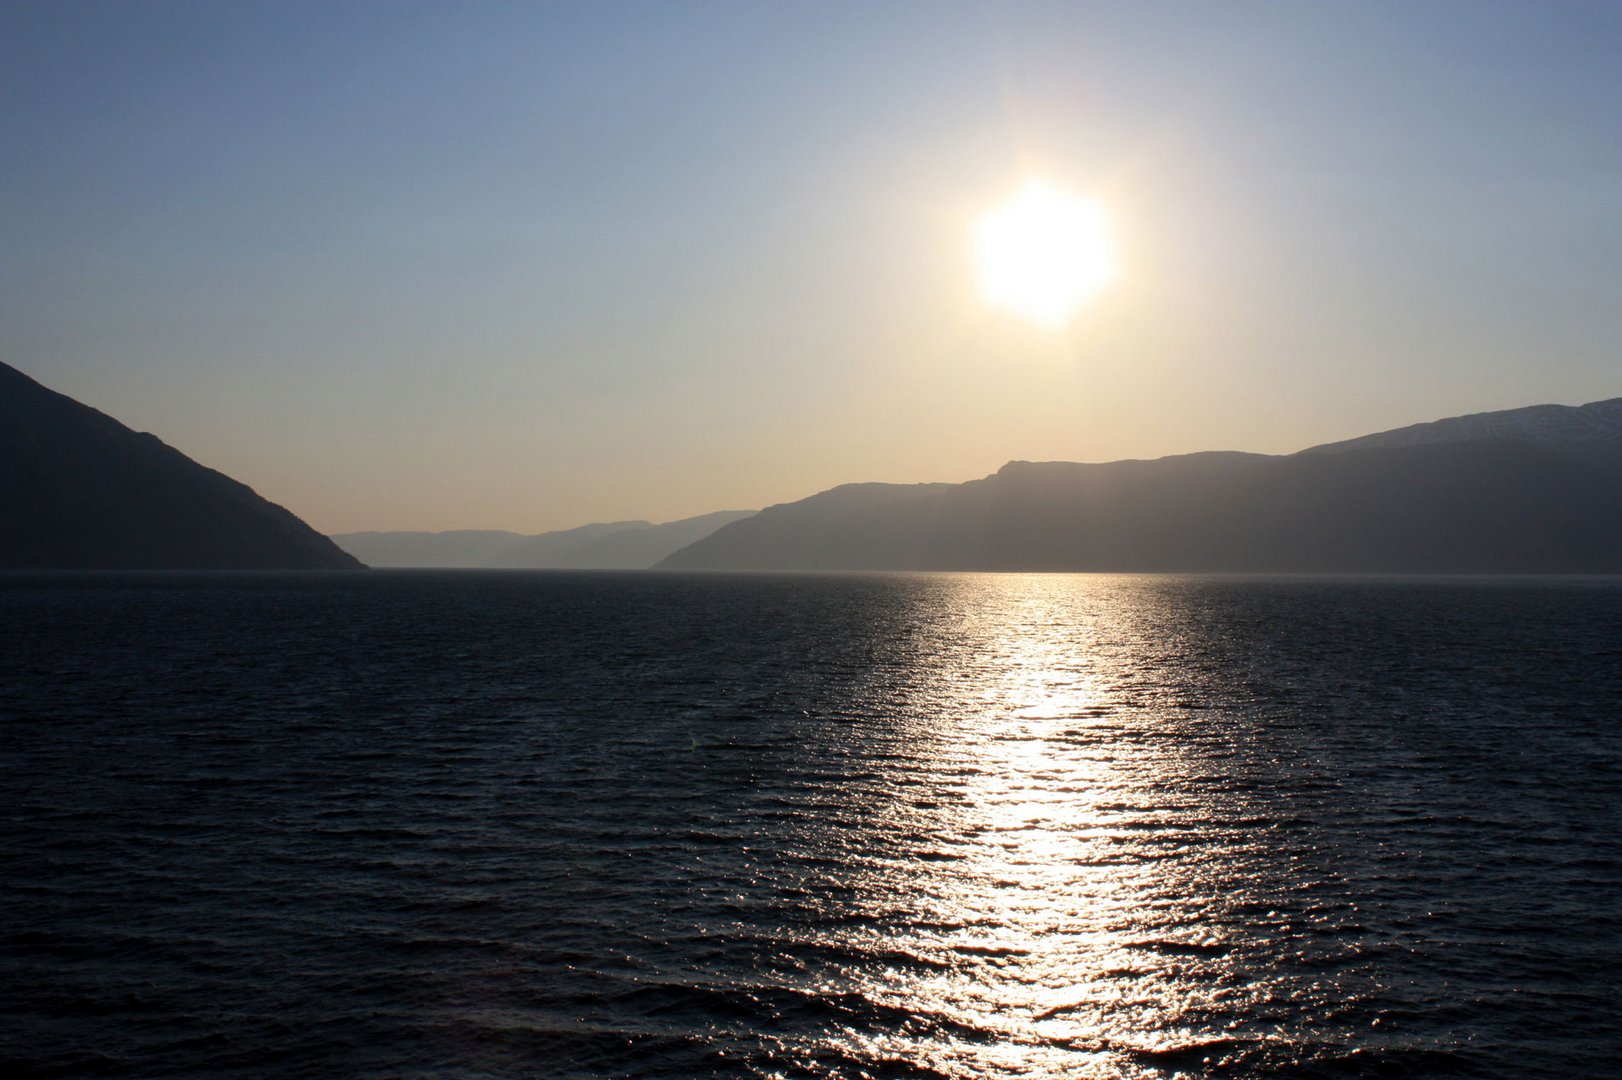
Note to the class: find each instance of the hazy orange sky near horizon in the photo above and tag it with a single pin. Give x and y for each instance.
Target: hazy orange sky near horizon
(436, 266)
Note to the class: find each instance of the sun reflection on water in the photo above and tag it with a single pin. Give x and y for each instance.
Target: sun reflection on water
(1038, 870)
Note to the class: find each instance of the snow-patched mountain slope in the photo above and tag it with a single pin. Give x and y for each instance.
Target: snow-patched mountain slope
(1598, 421)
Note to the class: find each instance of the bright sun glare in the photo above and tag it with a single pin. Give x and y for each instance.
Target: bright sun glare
(1043, 253)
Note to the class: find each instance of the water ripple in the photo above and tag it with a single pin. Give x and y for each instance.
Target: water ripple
(956, 826)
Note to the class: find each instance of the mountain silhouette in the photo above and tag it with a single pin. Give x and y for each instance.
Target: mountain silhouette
(82, 491)
(613, 545)
(1524, 491)
(1568, 427)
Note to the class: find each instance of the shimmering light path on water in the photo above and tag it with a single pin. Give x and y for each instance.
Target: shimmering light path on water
(668, 825)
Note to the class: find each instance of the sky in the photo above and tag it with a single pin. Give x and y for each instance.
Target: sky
(524, 266)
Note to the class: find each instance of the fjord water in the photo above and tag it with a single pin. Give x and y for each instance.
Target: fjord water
(551, 824)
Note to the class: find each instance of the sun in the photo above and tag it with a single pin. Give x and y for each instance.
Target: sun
(1043, 253)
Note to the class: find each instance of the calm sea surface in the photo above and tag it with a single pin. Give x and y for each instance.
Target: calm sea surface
(665, 825)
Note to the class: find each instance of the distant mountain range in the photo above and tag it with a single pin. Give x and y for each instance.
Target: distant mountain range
(79, 490)
(1535, 490)
(616, 545)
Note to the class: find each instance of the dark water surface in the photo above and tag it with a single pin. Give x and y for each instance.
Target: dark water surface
(664, 825)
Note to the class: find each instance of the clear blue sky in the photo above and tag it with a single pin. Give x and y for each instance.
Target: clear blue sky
(505, 265)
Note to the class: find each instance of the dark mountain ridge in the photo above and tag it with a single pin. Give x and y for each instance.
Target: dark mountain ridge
(1453, 498)
(79, 490)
